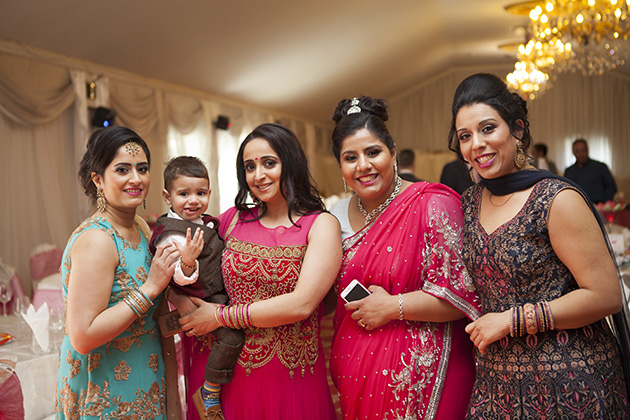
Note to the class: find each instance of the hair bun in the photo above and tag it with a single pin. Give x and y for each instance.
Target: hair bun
(367, 104)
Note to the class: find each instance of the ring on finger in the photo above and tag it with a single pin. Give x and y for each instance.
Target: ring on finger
(362, 324)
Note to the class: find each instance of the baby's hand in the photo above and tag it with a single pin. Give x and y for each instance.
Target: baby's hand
(192, 247)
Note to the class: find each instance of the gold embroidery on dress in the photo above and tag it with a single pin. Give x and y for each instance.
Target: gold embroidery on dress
(141, 275)
(122, 371)
(93, 402)
(247, 269)
(154, 362)
(97, 399)
(94, 361)
(74, 363)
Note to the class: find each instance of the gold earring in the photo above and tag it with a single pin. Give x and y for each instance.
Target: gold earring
(345, 186)
(101, 202)
(519, 157)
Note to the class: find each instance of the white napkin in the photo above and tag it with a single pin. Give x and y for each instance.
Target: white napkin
(38, 321)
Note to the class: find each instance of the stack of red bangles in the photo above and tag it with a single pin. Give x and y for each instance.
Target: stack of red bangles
(531, 319)
(234, 316)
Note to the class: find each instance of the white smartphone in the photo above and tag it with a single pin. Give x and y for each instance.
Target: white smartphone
(354, 291)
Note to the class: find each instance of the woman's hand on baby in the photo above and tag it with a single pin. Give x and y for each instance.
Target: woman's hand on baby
(202, 320)
(161, 269)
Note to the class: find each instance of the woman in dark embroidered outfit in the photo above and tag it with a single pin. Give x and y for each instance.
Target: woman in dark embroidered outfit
(110, 363)
(542, 269)
(400, 353)
(280, 259)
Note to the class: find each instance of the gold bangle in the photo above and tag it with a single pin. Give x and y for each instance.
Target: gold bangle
(142, 299)
(530, 318)
(132, 297)
(400, 307)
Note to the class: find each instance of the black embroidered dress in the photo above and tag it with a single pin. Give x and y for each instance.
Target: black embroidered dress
(560, 374)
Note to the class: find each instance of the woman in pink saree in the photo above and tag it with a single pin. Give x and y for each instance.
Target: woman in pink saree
(401, 352)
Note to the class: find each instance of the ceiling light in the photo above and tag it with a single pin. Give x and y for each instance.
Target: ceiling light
(591, 36)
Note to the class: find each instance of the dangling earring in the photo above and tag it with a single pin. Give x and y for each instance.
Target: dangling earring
(345, 186)
(144, 203)
(395, 170)
(254, 199)
(519, 157)
(101, 202)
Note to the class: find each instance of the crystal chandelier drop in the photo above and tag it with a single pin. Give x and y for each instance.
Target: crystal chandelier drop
(591, 36)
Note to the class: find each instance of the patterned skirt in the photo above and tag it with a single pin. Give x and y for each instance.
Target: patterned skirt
(562, 374)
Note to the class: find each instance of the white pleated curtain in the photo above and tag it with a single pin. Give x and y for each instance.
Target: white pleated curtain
(595, 108)
(44, 125)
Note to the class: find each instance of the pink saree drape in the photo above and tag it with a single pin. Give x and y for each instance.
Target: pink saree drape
(404, 370)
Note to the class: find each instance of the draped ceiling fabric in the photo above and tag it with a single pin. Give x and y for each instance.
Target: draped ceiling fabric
(44, 126)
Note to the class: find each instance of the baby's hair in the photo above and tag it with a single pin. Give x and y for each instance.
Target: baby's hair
(184, 166)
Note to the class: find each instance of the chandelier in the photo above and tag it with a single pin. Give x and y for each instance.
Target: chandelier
(591, 36)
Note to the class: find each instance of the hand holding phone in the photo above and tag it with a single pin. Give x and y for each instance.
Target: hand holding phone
(354, 291)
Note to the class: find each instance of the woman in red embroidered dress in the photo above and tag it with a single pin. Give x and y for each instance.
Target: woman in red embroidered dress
(400, 353)
(280, 259)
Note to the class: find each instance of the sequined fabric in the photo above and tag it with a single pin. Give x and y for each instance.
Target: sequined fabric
(255, 272)
(407, 370)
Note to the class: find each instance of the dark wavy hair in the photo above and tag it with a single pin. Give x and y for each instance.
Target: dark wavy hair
(372, 117)
(189, 166)
(485, 88)
(102, 147)
(298, 186)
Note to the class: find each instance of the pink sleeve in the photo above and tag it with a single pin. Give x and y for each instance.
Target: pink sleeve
(225, 219)
(445, 275)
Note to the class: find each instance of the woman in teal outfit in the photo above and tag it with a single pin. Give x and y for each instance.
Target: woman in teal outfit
(110, 363)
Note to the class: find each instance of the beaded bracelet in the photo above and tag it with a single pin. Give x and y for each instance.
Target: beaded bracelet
(400, 307)
(190, 267)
